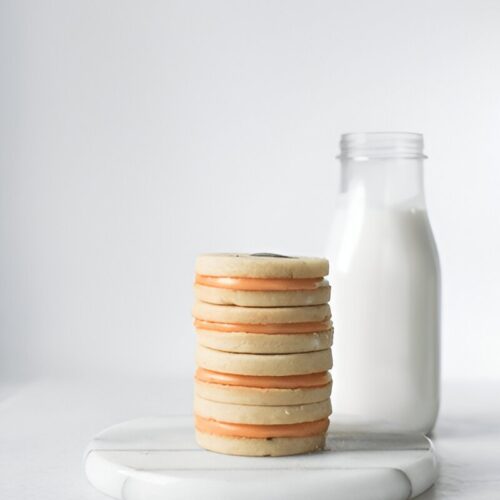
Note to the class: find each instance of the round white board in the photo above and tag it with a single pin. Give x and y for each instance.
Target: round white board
(158, 459)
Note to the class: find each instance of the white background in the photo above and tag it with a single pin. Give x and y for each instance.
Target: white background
(135, 135)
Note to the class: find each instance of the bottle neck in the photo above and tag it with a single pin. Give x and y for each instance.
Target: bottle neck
(384, 182)
(383, 169)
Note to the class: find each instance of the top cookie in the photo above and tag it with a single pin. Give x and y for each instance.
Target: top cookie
(260, 265)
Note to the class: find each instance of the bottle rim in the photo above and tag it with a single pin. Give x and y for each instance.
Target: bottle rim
(370, 145)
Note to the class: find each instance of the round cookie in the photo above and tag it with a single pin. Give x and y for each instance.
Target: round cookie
(264, 364)
(260, 315)
(261, 266)
(261, 280)
(262, 415)
(271, 298)
(262, 396)
(263, 447)
(260, 343)
(261, 390)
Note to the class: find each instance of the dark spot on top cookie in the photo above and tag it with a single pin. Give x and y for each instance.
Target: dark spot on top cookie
(265, 254)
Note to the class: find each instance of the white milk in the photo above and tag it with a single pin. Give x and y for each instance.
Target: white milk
(385, 302)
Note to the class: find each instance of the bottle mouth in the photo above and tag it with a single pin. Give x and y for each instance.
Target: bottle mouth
(367, 145)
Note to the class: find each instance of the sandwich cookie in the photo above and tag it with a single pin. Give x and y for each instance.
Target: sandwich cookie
(263, 330)
(261, 440)
(261, 280)
(262, 390)
(261, 430)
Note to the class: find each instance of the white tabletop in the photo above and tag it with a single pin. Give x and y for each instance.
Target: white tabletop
(46, 425)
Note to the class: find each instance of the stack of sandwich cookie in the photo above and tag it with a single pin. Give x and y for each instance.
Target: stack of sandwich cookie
(264, 336)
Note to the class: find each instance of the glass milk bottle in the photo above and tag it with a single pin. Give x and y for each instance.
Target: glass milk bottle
(385, 285)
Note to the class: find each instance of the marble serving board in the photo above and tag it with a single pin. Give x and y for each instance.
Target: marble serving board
(158, 459)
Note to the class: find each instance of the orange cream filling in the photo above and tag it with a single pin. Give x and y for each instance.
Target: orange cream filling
(303, 429)
(258, 284)
(265, 382)
(310, 327)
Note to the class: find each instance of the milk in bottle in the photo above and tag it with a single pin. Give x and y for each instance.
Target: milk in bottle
(385, 285)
